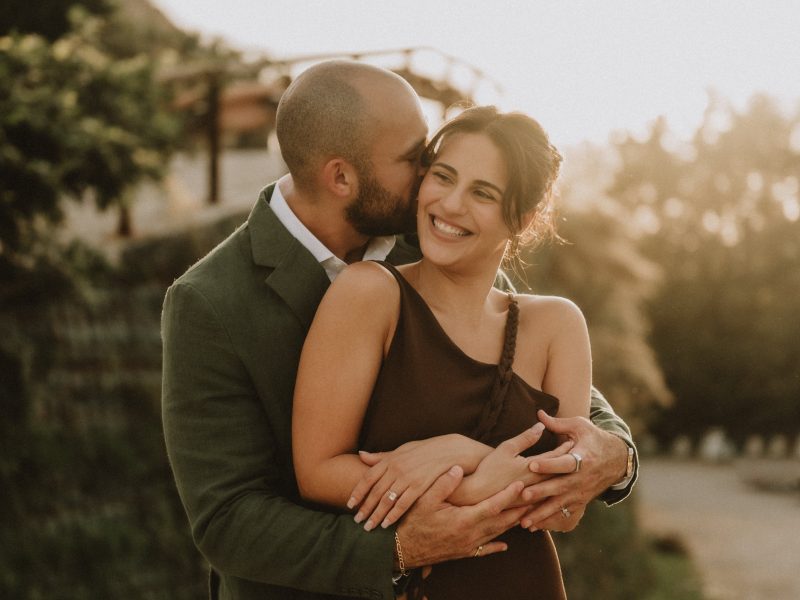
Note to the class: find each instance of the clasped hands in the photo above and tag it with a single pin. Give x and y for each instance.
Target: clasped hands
(397, 479)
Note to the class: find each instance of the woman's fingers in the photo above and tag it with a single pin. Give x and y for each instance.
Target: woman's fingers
(364, 486)
(377, 494)
(389, 511)
(389, 499)
(524, 440)
(401, 505)
(370, 458)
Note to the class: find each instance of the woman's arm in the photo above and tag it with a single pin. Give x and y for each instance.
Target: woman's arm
(569, 359)
(338, 367)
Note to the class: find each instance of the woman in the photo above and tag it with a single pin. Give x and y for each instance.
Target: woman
(426, 351)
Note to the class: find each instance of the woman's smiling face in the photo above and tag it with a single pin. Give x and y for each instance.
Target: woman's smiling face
(460, 211)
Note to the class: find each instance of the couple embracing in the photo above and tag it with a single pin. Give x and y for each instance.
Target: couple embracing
(348, 414)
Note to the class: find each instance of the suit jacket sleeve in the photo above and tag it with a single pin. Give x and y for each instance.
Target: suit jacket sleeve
(606, 419)
(242, 511)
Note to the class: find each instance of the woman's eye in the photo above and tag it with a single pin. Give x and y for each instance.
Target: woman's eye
(485, 195)
(441, 176)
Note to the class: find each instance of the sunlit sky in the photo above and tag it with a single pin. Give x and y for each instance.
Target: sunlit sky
(583, 68)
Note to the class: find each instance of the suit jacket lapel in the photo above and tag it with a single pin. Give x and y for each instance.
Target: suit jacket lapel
(296, 276)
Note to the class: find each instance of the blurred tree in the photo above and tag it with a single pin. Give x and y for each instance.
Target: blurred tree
(600, 268)
(721, 216)
(73, 121)
(48, 18)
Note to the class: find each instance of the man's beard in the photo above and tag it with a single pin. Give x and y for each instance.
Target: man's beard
(378, 212)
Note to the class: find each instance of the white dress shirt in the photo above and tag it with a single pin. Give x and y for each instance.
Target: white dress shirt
(378, 248)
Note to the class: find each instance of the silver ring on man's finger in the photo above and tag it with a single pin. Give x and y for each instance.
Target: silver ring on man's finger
(392, 495)
(565, 512)
(578, 461)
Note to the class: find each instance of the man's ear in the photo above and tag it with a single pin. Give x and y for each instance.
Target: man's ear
(339, 177)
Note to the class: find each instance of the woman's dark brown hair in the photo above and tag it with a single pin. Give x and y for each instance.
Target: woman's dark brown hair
(532, 163)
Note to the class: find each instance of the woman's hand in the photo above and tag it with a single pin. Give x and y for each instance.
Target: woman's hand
(505, 465)
(396, 479)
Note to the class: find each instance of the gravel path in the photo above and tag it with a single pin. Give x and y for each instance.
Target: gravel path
(746, 543)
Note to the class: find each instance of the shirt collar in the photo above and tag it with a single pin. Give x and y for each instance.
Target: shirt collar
(378, 248)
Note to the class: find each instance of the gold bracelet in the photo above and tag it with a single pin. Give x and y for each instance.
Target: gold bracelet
(400, 561)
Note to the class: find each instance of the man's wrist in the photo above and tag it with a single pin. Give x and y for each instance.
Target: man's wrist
(400, 576)
(629, 468)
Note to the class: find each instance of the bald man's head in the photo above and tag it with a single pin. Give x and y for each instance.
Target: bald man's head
(329, 111)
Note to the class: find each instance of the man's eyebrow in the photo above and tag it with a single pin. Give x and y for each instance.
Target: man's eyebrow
(481, 182)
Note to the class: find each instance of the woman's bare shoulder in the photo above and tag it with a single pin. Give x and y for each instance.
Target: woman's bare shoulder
(552, 311)
(366, 274)
(364, 284)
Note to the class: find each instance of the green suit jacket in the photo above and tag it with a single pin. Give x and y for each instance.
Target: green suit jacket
(233, 327)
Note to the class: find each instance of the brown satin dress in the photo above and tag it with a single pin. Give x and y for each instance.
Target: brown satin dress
(428, 386)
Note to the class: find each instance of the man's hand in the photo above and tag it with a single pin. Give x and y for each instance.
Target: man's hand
(434, 530)
(604, 457)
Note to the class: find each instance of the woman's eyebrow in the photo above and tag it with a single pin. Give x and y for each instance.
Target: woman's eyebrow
(482, 182)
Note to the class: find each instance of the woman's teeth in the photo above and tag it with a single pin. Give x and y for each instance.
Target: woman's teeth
(449, 229)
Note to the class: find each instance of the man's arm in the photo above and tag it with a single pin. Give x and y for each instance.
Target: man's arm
(222, 452)
(603, 416)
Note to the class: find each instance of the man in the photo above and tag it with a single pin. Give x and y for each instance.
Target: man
(233, 327)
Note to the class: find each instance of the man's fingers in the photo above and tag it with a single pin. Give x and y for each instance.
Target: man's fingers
(545, 489)
(559, 464)
(558, 521)
(490, 548)
(524, 440)
(445, 485)
(560, 450)
(544, 511)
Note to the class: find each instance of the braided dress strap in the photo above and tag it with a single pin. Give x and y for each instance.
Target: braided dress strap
(493, 408)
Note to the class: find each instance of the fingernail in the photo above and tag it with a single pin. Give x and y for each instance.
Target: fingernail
(351, 503)
(368, 525)
(525, 524)
(527, 495)
(533, 466)
(503, 548)
(385, 523)
(455, 470)
(533, 529)
(358, 518)
(538, 428)
(363, 452)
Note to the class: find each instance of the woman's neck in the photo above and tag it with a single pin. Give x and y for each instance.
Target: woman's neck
(465, 293)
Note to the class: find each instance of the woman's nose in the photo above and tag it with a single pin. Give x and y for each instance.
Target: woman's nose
(453, 201)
